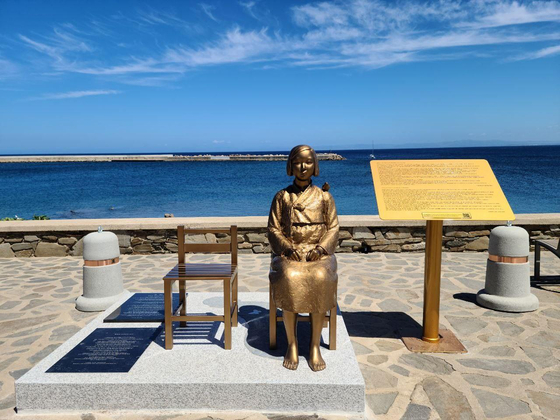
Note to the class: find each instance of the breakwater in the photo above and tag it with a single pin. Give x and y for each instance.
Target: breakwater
(158, 158)
(359, 234)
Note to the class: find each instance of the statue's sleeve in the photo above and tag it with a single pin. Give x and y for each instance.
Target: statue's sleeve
(278, 242)
(329, 241)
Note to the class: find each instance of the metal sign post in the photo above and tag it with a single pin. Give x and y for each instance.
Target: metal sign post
(436, 190)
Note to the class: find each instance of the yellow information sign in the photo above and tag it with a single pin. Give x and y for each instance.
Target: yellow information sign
(462, 189)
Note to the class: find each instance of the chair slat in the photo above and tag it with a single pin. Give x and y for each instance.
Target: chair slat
(206, 247)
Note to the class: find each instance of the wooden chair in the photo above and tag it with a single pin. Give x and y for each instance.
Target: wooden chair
(537, 279)
(273, 318)
(184, 272)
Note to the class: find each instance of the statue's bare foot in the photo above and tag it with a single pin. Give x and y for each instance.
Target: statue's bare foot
(316, 362)
(291, 359)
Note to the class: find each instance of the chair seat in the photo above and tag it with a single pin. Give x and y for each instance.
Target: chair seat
(192, 271)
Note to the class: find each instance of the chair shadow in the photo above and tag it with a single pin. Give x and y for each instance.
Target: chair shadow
(380, 324)
(199, 332)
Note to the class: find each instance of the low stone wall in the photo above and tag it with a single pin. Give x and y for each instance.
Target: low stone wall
(158, 236)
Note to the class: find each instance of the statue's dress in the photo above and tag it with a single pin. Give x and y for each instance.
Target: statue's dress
(303, 220)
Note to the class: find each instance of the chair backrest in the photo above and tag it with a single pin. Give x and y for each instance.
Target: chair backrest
(184, 247)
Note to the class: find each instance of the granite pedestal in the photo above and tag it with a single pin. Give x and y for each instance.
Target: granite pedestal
(199, 375)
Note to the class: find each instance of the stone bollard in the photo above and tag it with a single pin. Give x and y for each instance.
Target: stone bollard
(508, 283)
(103, 284)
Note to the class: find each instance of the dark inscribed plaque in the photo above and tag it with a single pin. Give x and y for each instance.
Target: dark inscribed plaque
(107, 350)
(142, 307)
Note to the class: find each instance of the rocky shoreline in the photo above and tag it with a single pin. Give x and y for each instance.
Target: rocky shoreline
(158, 158)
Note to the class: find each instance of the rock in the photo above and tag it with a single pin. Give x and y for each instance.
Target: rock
(240, 239)
(376, 378)
(393, 305)
(456, 234)
(475, 233)
(14, 240)
(542, 357)
(21, 246)
(16, 374)
(144, 248)
(362, 233)
(517, 367)
(67, 241)
(344, 234)
(195, 239)
(30, 238)
(26, 253)
(6, 251)
(498, 351)
(427, 363)
(257, 238)
(78, 248)
(389, 345)
(545, 339)
(550, 312)
(466, 326)
(136, 241)
(386, 248)
(211, 238)
(360, 349)
(48, 249)
(448, 402)
(172, 247)
(400, 233)
(350, 243)
(381, 403)
(168, 215)
(124, 241)
(484, 380)
(548, 403)
(414, 247)
(454, 243)
(552, 379)
(41, 354)
(245, 245)
(480, 244)
(510, 329)
(400, 370)
(63, 333)
(416, 412)
(260, 249)
(495, 405)
(377, 242)
(377, 359)
(50, 238)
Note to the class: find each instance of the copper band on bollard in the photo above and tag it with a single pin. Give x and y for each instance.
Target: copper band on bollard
(511, 260)
(101, 262)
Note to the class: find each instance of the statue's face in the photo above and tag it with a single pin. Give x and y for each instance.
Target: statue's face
(303, 166)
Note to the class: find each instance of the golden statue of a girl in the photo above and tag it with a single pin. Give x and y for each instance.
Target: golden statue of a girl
(303, 235)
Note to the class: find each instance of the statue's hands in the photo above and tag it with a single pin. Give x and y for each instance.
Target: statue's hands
(292, 254)
(314, 254)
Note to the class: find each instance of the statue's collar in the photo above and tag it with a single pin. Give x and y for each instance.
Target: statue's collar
(298, 189)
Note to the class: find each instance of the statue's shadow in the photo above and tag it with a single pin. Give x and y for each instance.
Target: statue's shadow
(255, 319)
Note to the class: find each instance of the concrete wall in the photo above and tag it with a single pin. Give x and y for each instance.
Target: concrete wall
(44, 238)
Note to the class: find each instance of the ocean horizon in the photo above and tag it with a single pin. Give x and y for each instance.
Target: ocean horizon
(528, 176)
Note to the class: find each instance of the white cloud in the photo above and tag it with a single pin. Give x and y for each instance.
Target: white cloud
(544, 52)
(74, 94)
(353, 33)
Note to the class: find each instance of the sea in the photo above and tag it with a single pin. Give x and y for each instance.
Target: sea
(529, 177)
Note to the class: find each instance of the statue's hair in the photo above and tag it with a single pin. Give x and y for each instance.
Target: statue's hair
(295, 151)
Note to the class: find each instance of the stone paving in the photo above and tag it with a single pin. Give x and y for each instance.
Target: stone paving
(512, 369)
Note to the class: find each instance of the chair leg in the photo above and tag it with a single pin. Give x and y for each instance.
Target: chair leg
(182, 299)
(332, 329)
(537, 262)
(235, 300)
(272, 321)
(227, 314)
(167, 297)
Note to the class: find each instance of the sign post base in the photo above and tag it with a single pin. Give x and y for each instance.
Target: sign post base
(448, 343)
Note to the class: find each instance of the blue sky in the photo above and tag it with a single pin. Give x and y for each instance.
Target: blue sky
(132, 76)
